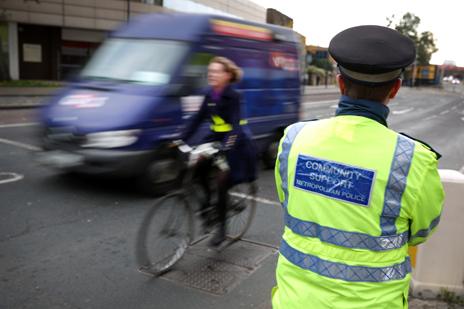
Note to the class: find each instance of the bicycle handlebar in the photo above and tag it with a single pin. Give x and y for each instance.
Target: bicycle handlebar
(206, 150)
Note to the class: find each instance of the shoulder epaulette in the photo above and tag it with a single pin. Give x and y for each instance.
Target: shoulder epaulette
(425, 145)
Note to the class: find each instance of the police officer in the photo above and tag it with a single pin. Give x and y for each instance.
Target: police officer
(355, 194)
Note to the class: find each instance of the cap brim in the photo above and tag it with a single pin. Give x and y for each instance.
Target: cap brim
(381, 78)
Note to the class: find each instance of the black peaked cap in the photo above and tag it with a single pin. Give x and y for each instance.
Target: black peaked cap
(372, 50)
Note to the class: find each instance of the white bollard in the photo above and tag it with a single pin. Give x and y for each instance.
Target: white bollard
(438, 264)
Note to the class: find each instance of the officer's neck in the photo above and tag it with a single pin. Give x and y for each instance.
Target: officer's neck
(374, 110)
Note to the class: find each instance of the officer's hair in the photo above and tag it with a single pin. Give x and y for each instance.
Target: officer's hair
(229, 67)
(377, 93)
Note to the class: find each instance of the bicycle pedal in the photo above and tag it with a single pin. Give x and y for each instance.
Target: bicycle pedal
(222, 246)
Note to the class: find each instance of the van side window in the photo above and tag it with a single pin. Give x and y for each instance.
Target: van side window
(196, 70)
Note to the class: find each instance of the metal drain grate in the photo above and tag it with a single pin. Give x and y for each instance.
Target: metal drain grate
(218, 272)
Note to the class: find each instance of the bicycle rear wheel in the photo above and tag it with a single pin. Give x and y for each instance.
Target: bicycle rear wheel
(164, 235)
(241, 209)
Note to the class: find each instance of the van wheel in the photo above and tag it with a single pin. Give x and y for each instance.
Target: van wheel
(160, 176)
(270, 153)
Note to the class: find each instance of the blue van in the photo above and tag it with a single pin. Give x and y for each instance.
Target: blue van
(141, 86)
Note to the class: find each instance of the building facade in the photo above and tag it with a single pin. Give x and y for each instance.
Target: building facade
(321, 66)
(238, 8)
(53, 39)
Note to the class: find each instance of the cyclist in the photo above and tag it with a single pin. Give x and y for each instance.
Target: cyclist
(222, 107)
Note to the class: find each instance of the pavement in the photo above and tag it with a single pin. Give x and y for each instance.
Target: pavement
(24, 97)
(415, 303)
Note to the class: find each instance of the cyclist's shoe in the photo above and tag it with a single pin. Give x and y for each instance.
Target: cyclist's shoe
(218, 237)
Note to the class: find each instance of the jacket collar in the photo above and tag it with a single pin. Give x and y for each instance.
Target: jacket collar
(227, 92)
(370, 109)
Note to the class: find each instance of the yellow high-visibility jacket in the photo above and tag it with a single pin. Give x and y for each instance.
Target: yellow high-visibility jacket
(355, 194)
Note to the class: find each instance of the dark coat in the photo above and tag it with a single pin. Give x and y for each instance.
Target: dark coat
(237, 143)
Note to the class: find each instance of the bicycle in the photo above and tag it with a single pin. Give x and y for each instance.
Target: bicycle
(168, 228)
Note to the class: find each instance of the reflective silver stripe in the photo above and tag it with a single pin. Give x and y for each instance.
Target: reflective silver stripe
(425, 232)
(396, 184)
(343, 271)
(287, 142)
(343, 238)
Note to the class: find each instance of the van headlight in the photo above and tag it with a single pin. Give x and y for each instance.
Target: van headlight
(111, 139)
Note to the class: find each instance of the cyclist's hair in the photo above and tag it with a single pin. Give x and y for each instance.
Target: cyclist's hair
(367, 92)
(229, 67)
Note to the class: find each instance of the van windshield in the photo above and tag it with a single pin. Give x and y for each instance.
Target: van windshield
(149, 62)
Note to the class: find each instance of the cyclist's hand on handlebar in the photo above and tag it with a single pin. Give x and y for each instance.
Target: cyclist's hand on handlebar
(220, 147)
(176, 143)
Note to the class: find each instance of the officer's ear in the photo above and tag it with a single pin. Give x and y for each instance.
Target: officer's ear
(396, 87)
(341, 84)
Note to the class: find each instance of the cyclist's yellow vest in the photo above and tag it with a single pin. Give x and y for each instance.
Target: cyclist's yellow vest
(354, 195)
(220, 126)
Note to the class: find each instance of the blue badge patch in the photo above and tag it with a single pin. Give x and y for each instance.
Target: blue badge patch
(336, 180)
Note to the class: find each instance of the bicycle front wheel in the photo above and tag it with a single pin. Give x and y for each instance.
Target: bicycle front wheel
(164, 235)
(241, 209)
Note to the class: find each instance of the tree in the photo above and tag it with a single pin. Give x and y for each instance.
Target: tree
(425, 48)
(323, 64)
(425, 42)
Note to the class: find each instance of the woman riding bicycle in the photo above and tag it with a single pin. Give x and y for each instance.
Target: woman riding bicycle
(222, 107)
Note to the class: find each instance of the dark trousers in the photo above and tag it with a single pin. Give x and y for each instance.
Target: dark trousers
(223, 184)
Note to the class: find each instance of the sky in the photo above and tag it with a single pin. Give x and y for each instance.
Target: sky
(320, 20)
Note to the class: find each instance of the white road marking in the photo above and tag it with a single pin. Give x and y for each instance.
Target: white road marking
(444, 112)
(462, 118)
(14, 125)
(462, 170)
(20, 145)
(257, 199)
(10, 177)
(403, 111)
(431, 117)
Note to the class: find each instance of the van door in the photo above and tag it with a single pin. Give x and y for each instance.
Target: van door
(284, 80)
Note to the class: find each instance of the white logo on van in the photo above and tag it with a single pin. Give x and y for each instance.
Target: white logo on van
(83, 101)
(283, 61)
